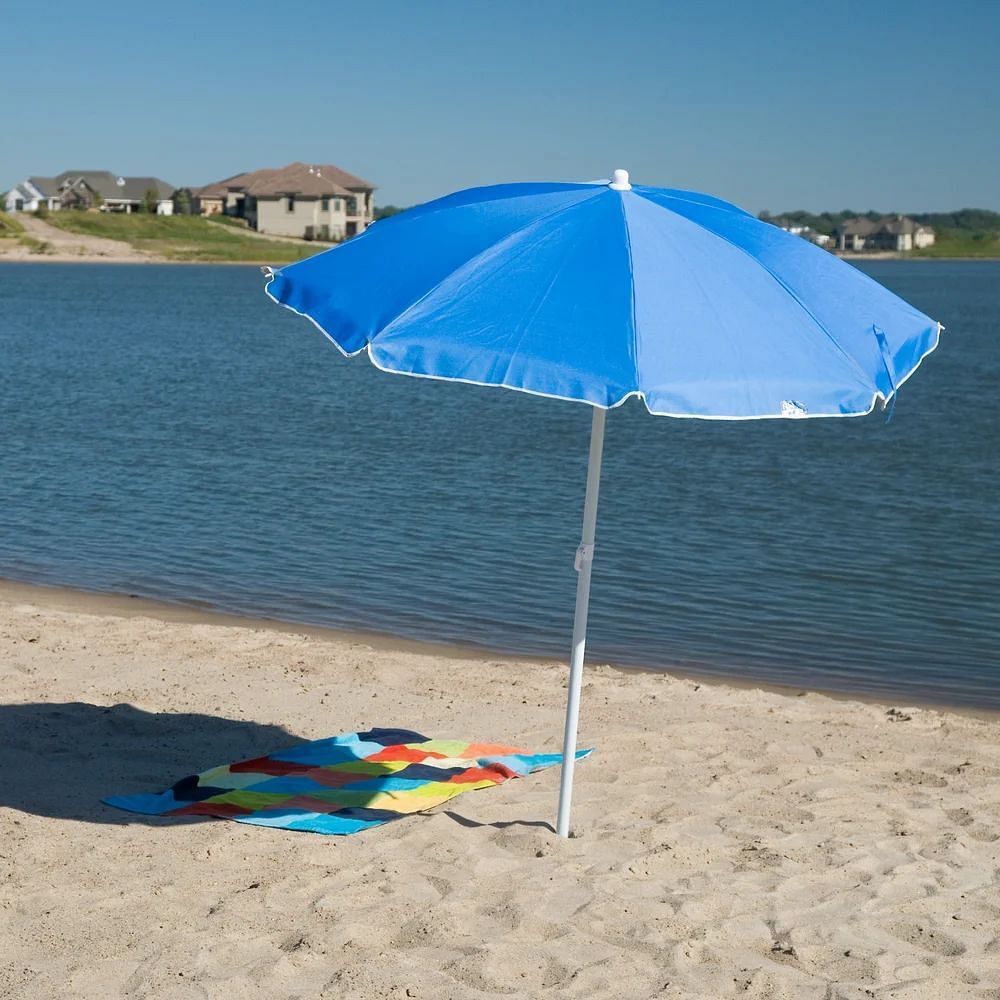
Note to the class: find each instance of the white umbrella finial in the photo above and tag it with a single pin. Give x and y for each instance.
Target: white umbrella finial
(619, 181)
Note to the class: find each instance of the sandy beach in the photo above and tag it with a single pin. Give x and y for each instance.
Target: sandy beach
(731, 842)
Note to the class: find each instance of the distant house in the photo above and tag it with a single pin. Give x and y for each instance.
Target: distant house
(32, 194)
(89, 189)
(854, 233)
(891, 232)
(311, 201)
(797, 229)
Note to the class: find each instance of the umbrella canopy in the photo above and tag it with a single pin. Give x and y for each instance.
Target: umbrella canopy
(598, 292)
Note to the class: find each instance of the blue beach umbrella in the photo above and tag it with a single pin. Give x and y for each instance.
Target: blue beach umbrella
(598, 292)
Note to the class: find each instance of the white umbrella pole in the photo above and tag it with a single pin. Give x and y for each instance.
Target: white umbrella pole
(584, 561)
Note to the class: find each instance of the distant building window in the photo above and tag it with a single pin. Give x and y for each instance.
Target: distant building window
(325, 206)
(352, 206)
(19, 205)
(291, 203)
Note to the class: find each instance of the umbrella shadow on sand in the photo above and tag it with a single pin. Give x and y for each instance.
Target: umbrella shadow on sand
(60, 759)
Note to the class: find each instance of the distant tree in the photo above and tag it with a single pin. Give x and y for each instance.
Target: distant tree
(149, 201)
(824, 223)
(979, 220)
(183, 202)
(968, 223)
(42, 212)
(387, 211)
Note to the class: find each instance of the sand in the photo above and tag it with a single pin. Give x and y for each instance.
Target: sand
(731, 842)
(64, 247)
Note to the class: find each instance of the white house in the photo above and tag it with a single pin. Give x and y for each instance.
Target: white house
(891, 232)
(32, 194)
(89, 189)
(797, 229)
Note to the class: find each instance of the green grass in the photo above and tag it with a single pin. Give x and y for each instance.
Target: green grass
(180, 237)
(228, 220)
(10, 228)
(961, 243)
(35, 246)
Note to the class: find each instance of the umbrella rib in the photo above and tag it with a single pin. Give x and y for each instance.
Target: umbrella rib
(631, 271)
(722, 206)
(868, 381)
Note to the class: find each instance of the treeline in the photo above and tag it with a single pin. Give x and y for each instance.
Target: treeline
(966, 221)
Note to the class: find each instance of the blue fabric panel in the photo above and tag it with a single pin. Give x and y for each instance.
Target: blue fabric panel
(148, 804)
(842, 301)
(526, 763)
(355, 290)
(295, 819)
(335, 750)
(717, 333)
(565, 324)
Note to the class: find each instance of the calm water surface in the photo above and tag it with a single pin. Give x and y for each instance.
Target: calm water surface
(169, 432)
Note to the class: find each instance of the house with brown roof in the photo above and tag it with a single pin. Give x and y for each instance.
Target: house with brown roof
(852, 234)
(891, 232)
(311, 201)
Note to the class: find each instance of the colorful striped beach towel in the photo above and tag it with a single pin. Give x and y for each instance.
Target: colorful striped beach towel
(343, 784)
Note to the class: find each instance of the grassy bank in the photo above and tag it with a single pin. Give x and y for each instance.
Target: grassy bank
(11, 229)
(192, 238)
(959, 243)
(181, 237)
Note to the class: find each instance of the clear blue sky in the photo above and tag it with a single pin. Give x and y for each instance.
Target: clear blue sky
(772, 104)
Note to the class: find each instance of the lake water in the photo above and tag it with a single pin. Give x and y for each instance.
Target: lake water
(170, 432)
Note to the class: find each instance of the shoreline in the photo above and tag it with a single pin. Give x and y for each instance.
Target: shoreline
(152, 259)
(147, 258)
(904, 256)
(57, 597)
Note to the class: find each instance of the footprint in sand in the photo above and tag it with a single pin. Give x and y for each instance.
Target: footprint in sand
(443, 886)
(977, 831)
(919, 936)
(911, 777)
